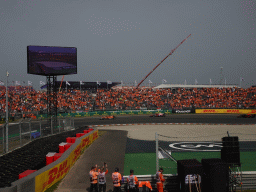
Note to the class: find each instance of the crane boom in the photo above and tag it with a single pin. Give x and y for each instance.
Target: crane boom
(162, 61)
(61, 82)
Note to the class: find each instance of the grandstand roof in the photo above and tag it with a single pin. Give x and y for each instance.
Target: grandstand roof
(84, 86)
(174, 86)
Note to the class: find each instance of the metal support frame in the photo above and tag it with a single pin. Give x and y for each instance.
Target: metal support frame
(3, 127)
(40, 126)
(20, 132)
(59, 125)
(235, 177)
(52, 101)
(29, 129)
(157, 160)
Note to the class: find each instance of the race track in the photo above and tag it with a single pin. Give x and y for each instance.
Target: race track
(173, 118)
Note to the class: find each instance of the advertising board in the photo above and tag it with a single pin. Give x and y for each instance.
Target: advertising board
(56, 173)
(181, 111)
(235, 111)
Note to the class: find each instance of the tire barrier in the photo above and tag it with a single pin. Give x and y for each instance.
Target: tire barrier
(33, 157)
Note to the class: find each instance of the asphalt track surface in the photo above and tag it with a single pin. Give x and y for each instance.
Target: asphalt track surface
(173, 118)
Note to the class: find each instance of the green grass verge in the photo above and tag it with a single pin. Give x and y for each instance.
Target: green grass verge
(145, 163)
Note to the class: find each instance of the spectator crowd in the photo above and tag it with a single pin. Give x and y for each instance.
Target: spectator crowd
(24, 100)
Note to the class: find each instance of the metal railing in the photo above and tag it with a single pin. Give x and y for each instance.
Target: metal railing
(172, 181)
(24, 131)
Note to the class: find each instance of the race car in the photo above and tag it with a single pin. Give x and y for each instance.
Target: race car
(246, 116)
(158, 115)
(107, 117)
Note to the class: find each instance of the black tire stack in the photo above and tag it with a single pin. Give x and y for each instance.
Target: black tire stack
(31, 157)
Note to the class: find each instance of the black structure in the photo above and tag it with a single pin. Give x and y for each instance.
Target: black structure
(51, 61)
(189, 172)
(230, 152)
(52, 101)
(216, 175)
(84, 86)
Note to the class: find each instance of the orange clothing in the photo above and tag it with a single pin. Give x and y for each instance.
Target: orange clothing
(132, 181)
(93, 177)
(159, 181)
(116, 177)
(160, 187)
(147, 183)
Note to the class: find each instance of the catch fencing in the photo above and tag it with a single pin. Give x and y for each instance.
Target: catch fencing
(24, 131)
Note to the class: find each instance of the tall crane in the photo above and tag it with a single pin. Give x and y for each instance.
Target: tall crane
(162, 61)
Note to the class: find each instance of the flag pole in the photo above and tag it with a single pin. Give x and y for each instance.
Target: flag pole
(157, 164)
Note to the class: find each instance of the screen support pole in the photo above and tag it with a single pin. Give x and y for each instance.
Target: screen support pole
(52, 101)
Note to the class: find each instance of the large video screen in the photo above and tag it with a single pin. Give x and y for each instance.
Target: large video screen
(46, 60)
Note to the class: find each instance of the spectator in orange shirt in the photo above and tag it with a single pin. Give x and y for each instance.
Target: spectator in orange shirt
(160, 180)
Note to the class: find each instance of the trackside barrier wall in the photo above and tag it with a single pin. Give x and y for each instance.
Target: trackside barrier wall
(234, 111)
(98, 113)
(44, 178)
(172, 182)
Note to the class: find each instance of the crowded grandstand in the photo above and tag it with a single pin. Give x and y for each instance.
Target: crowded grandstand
(26, 100)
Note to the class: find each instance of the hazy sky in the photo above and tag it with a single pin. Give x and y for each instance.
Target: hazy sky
(125, 39)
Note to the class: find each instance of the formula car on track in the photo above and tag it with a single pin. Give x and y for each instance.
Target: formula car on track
(158, 115)
(107, 117)
(246, 116)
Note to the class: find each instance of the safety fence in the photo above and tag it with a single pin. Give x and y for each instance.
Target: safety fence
(146, 112)
(44, 178)
(25, 131)
(172, 182)
(131, 111)
(98, 113)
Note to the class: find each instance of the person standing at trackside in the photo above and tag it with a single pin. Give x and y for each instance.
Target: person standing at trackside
(102, 178)
(116, 177)
(160, 180)
(93, 179)
(132, 182)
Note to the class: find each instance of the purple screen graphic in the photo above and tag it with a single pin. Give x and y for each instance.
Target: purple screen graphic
(45, 60)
